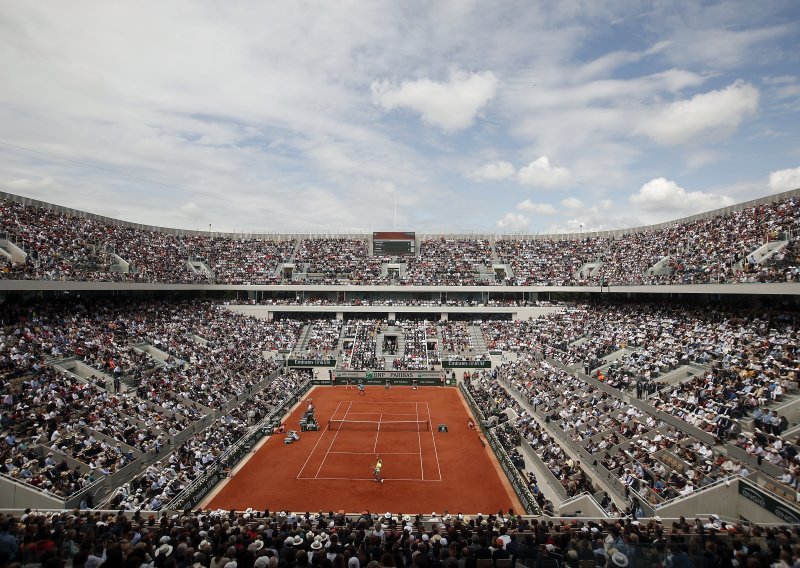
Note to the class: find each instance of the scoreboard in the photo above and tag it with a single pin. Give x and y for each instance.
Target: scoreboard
(397, 243)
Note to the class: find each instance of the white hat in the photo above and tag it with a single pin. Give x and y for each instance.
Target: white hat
(316, 545)
(261, 562)
(164, 550)
(297, 541)
(617, 559)
(259, 544)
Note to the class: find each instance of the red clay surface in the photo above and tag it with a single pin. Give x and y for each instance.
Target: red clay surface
(332, 470)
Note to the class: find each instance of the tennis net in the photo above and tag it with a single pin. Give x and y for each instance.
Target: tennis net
(380, 425)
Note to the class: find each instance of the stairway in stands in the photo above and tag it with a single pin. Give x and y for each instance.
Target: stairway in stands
(478, 341)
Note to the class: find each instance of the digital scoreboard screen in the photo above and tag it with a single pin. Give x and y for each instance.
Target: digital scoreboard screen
(395, 243)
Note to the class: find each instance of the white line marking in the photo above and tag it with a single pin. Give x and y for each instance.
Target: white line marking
(382, 453)
(370, 479)
(383, 414)
(430, 419)
(419, 443)
(331, 444)
(314, 449)
(377, 435)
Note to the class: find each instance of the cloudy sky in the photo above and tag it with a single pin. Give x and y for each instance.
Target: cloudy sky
(488, 116)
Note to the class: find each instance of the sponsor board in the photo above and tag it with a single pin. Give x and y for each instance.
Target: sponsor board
(768, 502)
(312, 362)
(422, 378)
(466, 364)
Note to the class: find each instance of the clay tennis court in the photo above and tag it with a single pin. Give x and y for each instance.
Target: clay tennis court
(424, 470)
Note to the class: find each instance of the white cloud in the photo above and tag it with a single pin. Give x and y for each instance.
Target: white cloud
(27, 185)
(697, 158)
(571, 203)
(660, 194)
(541, 208)
(493, 171)
(539, 173)
(722, 48)
(192, 210)
(609, 62)
(265, 137)
(714, 114)
(451, 106)
(784, 180)
(513, 222)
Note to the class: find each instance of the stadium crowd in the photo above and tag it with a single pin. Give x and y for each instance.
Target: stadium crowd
(265, 539)
(163, 480)
(419, 353)
(322, 339)
(62, 432)
(647, 458)
(747, 360)
(446, 261)
(718, 249)
(360, 344)
(515, 426)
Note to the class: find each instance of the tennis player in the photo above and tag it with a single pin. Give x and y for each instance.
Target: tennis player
(361, 390)
(376, 469)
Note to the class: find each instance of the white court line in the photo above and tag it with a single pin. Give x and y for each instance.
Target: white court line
(419, 443)
(382, 453)
(430, 419)
(372, 479)
(331, 444)
(384, 413)
(377, 434)
(314, 449)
